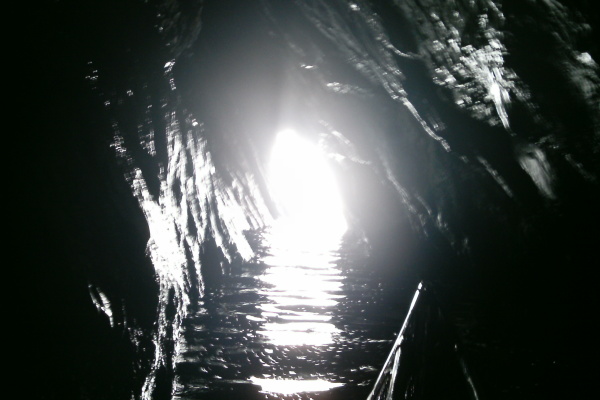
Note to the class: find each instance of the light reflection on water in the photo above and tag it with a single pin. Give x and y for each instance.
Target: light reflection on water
(316, 328)
(284, 324)
(280, 318)
(302, 285)
(289, 386)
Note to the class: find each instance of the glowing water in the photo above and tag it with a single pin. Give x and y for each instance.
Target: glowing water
(302, 281)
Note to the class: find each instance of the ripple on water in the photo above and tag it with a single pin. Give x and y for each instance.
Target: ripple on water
(289, 332)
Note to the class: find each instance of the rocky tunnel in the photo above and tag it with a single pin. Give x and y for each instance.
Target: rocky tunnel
(462, 136)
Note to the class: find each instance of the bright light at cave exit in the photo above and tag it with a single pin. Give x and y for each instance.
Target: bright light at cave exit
(303, 283)
(306, 192)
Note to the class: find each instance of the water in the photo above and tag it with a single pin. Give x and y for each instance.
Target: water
(300, 323)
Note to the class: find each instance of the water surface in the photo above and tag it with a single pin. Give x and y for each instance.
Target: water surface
(303, 322)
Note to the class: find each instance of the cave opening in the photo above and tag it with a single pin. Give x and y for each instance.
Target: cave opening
(310, 208)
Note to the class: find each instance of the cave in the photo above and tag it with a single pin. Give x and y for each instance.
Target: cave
(325, 199)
